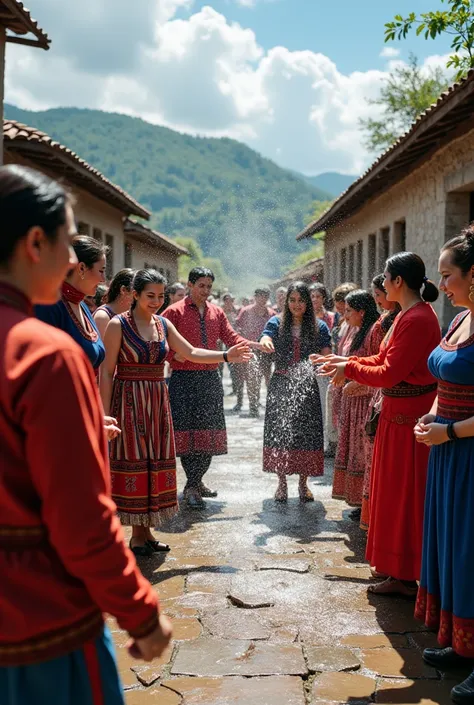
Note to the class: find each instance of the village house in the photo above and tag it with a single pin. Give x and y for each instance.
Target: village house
(312, 271)
(16, 27)
(148, 248)
(102, 209)
(416, 196)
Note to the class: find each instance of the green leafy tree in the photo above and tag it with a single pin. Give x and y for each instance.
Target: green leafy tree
(457, 22)
(407, 92)
(196, 258)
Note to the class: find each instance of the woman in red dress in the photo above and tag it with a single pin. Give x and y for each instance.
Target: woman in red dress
(349, 467)
(390, 310)
(143, 457)
(399, 465)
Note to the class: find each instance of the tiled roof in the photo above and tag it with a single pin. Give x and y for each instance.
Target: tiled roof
(314, 269)
(64, 163)
(17, 19)
(132, 227)
(447, 119)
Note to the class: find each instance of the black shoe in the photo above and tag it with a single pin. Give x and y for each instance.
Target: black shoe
(355, 514)
(463, 694)
(444, 658)
(206, 491)
(237, 408)
(254, 414)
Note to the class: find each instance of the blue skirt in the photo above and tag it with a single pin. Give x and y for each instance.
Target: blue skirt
(87, 676)
(446, 595)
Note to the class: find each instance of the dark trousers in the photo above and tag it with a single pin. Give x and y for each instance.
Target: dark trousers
(195, 466)
(252, 373)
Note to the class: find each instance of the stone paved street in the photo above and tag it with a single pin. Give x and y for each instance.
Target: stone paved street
(269, 602)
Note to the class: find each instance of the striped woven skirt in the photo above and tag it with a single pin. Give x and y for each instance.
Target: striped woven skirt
(143, 457)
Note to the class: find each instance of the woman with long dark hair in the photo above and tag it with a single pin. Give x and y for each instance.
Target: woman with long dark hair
(390, 310)
(399, 465)
(118, 299)
(320, 301)
(293, 435)
(63, 561)
(446, 595)
(133, 388)
(71, 314)
(349, 467)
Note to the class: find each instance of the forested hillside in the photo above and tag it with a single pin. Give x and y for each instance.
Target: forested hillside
(240, 207)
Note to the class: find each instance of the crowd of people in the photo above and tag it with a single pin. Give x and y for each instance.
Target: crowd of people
(91, 424)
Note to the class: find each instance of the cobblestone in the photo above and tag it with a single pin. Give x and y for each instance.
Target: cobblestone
(307, 561)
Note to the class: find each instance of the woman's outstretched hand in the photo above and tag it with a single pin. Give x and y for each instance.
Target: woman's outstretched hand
(240, 353)
(266, 344)
(317, 359)
(336, 371)
(111, 428)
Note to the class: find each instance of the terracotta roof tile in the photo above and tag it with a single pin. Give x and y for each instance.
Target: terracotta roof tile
(28, 140)
(17, 18)
(132, 226)
(333, 214)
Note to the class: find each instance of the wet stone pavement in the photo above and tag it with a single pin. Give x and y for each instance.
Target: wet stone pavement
(269, 602)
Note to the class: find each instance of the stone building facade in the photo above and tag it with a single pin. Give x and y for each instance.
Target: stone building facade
(427, 201)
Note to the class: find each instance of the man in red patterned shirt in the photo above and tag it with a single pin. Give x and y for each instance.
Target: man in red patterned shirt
(196, 393)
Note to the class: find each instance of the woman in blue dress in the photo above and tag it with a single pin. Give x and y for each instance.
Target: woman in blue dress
(446, 594)
(71, 314)
(293, 435)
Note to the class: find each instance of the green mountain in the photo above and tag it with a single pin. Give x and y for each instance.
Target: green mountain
(331, 182)
(240, 207)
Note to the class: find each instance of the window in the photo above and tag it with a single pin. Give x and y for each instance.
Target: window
(109, 271)
(343, 264)
(351, 263)
(384, 247)
(97, 234)
(127, 254)
(83, 228)
(371, 258)
(360, 258)
(399, 237)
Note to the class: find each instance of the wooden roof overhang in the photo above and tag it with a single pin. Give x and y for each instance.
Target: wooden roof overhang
(152, 237)
(446, 120)
(17, 19)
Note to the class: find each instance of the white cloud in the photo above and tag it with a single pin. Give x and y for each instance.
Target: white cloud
(201, 74)
(389, 53)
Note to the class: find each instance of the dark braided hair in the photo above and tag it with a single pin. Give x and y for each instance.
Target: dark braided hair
(144, 277)
(389, 317)
(361, 300)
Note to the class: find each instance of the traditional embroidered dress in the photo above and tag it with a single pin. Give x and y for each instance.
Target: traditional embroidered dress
(350, 463)
(446, 596)
(106, 308)
(293, 435)
(375, 402)
(62, 316)
(143, 458)
(63, 560)
(399, 464)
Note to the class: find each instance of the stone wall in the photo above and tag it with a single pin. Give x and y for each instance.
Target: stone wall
(419, 213)
(153, 256)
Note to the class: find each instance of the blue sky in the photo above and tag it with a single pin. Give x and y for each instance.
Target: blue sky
(350, 32)
(290, 78)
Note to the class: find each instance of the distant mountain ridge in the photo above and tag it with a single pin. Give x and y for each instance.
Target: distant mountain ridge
(238, 205)
(331, 182)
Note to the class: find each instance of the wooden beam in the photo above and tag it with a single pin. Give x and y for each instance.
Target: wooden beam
(27, 42)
